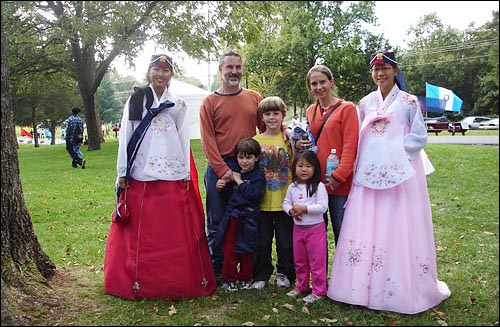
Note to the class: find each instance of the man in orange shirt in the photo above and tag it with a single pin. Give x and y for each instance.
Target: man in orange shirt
(226, 116)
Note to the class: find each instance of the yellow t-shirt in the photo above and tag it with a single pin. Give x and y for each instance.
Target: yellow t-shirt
(276, 163)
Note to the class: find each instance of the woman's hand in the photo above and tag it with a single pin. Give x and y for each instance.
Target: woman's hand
(123, 183)
(333, 183)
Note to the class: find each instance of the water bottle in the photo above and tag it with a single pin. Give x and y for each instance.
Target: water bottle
(332, 162)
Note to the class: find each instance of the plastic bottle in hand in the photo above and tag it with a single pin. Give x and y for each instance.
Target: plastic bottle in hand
(310, 136)
(332, 162)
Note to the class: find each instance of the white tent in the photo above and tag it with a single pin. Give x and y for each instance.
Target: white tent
(193, 96)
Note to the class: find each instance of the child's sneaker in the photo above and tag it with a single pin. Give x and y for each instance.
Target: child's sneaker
(294, 293)
(312, 298)
(230, 287)
(282, 280)
(258, 285)
(245, 285)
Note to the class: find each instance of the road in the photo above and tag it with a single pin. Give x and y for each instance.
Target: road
(464, 139)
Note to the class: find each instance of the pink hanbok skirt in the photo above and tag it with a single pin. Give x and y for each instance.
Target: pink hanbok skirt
(386, 257)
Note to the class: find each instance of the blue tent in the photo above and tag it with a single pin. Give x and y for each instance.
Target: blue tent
(431, 104)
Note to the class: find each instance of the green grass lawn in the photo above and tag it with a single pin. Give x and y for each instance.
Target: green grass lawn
(71, 213)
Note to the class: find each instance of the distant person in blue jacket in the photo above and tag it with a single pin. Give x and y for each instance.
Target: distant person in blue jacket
(237, 232)
(74, 138)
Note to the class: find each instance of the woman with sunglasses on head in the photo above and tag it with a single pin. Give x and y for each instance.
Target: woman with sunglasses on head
(386, 257)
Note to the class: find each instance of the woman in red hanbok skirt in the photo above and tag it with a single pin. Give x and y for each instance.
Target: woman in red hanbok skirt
(161, 251)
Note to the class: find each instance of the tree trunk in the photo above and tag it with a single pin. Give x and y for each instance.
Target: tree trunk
(52, 129)
(35, 126)
(24, 264)
(92, 119)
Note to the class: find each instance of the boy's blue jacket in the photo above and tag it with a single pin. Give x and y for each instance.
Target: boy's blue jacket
(244, 203)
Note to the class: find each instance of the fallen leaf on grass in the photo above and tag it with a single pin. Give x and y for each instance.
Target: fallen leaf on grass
(328, 320)
(266, 317)
(438, 313)
(172, 310)
(289, 306)
(305, 309)
(248, 323)
(275, 310)
(478, 279)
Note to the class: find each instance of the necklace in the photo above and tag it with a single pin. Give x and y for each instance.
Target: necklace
(324, 109)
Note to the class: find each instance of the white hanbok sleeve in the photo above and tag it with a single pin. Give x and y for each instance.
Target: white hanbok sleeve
(126, 131)
(416, 139)
(182, 124)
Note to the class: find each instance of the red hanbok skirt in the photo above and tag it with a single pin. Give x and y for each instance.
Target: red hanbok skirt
(162, 251)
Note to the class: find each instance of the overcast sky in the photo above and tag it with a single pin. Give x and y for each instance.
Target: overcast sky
(395, 17)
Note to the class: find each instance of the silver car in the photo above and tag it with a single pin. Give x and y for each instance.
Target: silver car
(472, 122)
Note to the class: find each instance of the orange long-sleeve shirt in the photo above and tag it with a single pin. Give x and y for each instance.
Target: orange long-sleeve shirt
(341, 132)
(224, 120)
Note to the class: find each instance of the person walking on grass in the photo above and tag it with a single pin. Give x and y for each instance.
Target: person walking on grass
(306, 200)
(276, 163)
(74, 138)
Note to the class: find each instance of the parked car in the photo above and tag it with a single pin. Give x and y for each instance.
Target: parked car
(489, 124)
(441, 119)
(472, 122)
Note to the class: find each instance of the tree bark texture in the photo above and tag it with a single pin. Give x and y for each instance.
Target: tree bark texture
(24, 262)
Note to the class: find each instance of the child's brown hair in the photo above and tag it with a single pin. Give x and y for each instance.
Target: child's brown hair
(247, 146)
(273, 103)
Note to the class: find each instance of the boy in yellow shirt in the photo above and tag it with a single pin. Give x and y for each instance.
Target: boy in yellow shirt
(275, 162)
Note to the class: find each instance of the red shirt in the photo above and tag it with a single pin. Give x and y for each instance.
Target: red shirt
(341, 132)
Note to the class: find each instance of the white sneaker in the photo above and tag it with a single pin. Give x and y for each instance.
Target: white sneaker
(258, 285)
(311, 298)
(282, 280)
(294, 293)
(230, 287)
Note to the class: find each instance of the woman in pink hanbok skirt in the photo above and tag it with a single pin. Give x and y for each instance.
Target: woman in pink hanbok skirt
(386, 257)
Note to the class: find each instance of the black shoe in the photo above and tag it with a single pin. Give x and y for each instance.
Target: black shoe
(74, 166)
